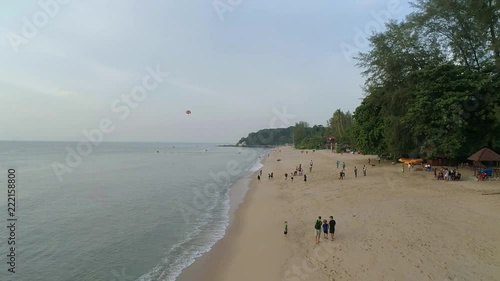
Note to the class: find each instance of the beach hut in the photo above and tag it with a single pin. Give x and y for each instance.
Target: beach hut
(485, 155)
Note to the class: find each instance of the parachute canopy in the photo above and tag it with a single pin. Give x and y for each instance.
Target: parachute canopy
(188, 112)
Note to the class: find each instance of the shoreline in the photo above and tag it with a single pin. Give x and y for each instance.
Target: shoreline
(240, 194)
(390, 225)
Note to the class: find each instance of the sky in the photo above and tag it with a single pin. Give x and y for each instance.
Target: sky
(130, 69)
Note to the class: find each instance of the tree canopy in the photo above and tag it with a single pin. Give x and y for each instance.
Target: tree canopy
(432, 82)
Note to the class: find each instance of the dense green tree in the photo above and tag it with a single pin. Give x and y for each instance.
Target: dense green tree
(432, 82)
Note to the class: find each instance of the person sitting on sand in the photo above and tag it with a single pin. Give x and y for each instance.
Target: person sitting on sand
(332, 226)
(286, 228)
(317, 227)
(325, 229)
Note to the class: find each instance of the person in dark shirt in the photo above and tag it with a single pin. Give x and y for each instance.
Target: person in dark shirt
(332, 226)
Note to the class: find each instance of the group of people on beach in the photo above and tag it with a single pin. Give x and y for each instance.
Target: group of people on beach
(342, 172)
(447, 174)
(327, 226)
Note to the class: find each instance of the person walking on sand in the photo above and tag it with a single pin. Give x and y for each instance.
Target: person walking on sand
(343, 165)
(305, 178)
(317, 228)
(332, 227)
(286, 228)
(364, 170)
(355, 172)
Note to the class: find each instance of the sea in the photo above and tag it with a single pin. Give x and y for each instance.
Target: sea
(114, 211)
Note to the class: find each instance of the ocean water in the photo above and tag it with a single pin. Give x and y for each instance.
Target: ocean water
(123, 212)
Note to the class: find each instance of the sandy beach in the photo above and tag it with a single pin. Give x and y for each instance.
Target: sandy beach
(390, 225)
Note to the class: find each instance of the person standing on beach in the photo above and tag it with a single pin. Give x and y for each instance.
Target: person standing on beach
(369, 160)
(305, 178)
(364, 170)
(317, 227)
(355, 172)
(325, 229)
(261, 172)
(286, 228)
(258, 177)
(343, 165)
(286, 176)
(338, 162)
(332, 226)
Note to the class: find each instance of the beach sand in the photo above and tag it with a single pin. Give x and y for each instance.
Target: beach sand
(390, 225)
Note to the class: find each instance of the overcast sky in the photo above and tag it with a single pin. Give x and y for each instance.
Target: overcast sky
(240, 68)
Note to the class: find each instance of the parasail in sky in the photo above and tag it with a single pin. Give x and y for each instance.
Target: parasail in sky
(188, 112)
